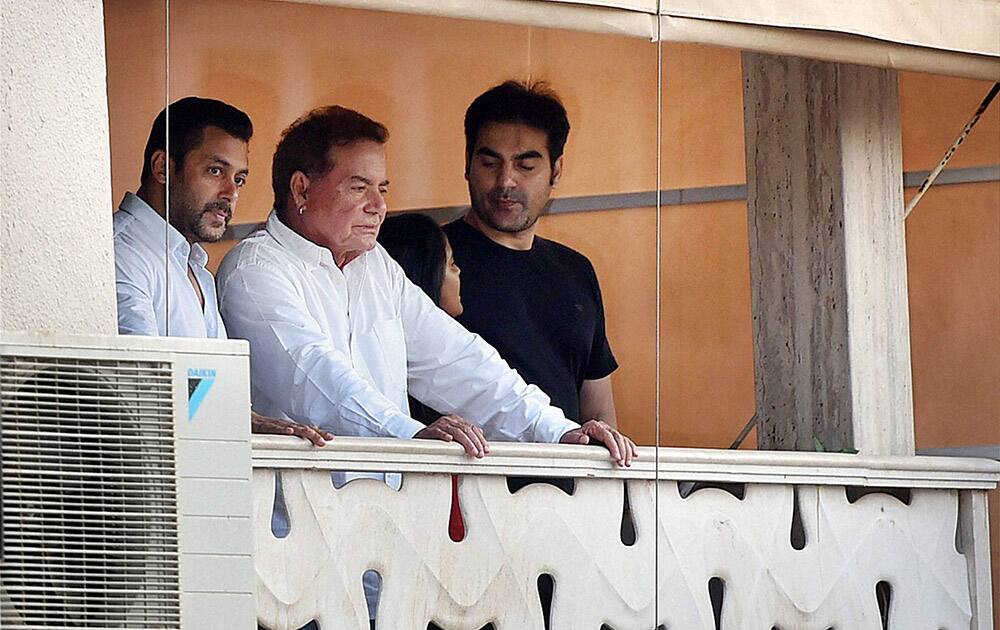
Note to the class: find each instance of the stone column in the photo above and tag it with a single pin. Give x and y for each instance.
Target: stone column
(828, 259)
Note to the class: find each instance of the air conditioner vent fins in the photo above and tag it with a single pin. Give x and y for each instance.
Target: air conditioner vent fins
(88, 514)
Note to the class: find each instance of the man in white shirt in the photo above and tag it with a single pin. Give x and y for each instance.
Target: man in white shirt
(162, 285)
(338, 335)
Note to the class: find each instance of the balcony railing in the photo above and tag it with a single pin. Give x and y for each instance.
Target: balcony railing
(759, 540)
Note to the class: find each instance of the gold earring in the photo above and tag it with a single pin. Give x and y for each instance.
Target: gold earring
(301, 208)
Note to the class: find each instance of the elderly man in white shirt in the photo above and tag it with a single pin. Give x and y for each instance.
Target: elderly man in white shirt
(162, 285)
(338, 335)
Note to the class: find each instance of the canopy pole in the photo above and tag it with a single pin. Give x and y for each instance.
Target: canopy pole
(751, 423)
(951, 150)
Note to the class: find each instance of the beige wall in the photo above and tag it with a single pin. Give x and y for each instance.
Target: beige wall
(417, 74)
(54, 171)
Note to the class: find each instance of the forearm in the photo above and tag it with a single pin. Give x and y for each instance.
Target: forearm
(301, 371)
(319, 387)
(597, 401)
(454, 371)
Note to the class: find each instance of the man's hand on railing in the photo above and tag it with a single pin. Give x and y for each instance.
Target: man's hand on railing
(450, 428)
(264, 424)
(623, 449)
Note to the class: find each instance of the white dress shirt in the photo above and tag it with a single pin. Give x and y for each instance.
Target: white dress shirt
(151, 261)
(340, 348)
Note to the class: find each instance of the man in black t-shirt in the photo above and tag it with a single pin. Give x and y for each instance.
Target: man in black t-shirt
(536, 301)
(541, 309)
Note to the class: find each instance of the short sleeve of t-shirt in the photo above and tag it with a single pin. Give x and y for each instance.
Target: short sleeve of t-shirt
(602, 360)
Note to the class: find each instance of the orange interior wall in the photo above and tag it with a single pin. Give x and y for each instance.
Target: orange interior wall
(276, 60)
(622, 246)
(953, 262)
(415, 74)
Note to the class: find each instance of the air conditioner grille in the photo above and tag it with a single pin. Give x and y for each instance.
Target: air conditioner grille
(89, 494)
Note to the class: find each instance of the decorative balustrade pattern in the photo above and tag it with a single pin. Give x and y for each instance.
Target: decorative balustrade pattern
(799, 555)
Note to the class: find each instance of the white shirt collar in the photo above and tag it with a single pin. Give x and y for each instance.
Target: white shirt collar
(152, 232)
(198, 255)
(295, 243)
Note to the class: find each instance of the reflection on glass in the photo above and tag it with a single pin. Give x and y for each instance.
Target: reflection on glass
(556, 260)
(707, 388)
(606, 83)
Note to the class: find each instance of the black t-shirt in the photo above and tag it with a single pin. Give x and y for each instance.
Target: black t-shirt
(540, 308)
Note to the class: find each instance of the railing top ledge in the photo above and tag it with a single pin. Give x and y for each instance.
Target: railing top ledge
(688, 464)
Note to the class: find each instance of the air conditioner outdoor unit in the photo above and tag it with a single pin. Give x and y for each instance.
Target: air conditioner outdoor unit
(125, 481)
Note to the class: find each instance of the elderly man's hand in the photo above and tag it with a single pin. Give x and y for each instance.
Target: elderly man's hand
(456, 428)
(623, 449)
(263, 424)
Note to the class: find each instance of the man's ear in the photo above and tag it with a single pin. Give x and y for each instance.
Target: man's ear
(298, 187)
(158, 165)
(557, 168)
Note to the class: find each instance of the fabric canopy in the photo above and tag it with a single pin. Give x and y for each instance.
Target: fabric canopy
(951, 37)
(829, 46)
(966, 26)
(597, 17)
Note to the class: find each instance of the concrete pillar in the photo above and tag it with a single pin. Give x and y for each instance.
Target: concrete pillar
(56, 252)
(828, 259)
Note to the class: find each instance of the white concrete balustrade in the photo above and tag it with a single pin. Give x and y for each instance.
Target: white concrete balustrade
(797, 542)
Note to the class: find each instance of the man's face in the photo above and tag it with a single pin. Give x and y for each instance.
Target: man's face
(345, 207)
(510, 177)
(203, 193)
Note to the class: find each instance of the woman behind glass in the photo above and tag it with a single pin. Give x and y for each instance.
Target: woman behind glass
(421, 248)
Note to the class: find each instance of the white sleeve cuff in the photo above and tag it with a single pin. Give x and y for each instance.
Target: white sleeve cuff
(401, 426)
(552, 426)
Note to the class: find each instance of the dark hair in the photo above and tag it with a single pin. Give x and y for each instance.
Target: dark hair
(188, 118)
(532, 104)
(305, 145)
(416, 242)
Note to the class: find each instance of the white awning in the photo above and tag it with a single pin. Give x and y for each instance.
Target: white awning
(829, 46)
(595, 16)
(966, 26)
(950, 37)
(953, 37)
